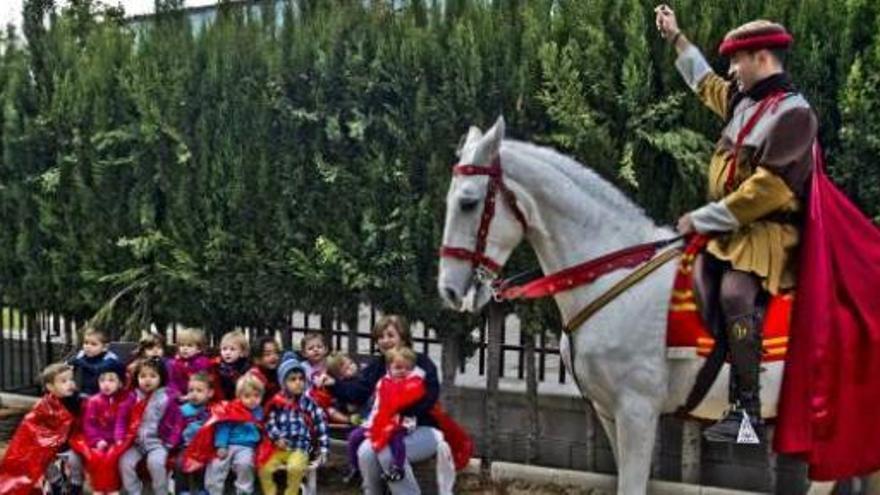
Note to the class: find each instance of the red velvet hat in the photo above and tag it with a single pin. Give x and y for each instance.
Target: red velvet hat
(756, 35)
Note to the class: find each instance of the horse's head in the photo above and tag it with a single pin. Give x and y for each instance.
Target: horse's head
(483, 222)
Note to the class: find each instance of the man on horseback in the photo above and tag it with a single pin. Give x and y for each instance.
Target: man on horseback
(757, 179)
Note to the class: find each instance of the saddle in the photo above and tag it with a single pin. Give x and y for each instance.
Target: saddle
(688, 333)
(690, 336)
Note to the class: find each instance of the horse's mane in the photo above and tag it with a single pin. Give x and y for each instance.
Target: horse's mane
(582, 176)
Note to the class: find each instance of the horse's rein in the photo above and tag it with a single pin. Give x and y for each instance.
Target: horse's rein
(487, 269)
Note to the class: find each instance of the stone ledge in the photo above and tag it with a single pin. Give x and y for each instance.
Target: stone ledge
(506, 472)
(17, 400)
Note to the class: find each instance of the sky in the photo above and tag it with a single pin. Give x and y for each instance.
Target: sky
(10, 10)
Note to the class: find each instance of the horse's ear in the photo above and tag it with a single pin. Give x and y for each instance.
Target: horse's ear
(495, 135)
(473, 134)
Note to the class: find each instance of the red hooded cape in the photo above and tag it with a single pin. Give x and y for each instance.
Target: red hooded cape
(201, 449)
(393, 396)
(102, 467)
(831, 386)
(37, 440)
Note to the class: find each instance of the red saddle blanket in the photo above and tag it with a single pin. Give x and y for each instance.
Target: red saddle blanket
(686, 328)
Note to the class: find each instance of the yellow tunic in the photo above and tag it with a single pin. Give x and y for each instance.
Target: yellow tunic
(759, 245)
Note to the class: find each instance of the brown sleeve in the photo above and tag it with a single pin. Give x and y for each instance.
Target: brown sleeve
(784, 162)
(787, 150)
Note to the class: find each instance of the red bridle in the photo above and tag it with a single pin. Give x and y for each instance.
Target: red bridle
(477, 257)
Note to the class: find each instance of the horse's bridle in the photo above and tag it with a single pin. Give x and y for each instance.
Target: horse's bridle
(486, 269)
(485, 266)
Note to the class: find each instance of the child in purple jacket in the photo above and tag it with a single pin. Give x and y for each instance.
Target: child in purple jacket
(101, 448)
(151, 425)
(190, 359)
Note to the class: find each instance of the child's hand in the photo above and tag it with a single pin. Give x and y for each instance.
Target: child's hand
(356, 419)
(409, 423)
(222, 453)
(102, 445)
(324, 380)
(281, 443)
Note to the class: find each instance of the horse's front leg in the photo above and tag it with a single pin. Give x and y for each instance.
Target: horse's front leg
(636, 427)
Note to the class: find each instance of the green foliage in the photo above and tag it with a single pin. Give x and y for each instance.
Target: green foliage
(275, 158)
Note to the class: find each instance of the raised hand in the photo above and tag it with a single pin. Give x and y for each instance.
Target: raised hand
(666, 22)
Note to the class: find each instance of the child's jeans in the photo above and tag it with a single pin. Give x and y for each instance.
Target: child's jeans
(156, 459)
(192, 483)
(241, 460)
(74, 465)
(296, 462)
(395, 444)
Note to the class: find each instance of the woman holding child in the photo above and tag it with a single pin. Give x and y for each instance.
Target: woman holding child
(420, 443)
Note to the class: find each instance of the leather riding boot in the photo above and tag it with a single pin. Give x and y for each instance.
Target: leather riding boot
(744, 341)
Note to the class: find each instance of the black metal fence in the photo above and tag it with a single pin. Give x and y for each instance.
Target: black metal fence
(30, 342)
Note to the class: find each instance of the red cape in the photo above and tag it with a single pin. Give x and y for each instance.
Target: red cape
(321, 396)
(201, 449)
(831, 384)
(101, 467)
(460, 443)
(393, 396)
(42, 432)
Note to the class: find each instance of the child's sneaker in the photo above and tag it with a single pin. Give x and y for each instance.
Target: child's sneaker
(395, 473)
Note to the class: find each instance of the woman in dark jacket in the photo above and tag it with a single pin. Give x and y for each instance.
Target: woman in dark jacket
(393, 331)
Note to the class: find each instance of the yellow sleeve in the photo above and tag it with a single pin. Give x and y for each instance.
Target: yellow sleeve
(762, 193)
(714, 92)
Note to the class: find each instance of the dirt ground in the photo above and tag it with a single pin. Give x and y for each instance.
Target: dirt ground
(330, 479)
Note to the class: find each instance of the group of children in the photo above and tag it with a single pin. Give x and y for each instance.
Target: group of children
(252, 413)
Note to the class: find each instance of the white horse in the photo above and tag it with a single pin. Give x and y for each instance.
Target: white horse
(569, 215)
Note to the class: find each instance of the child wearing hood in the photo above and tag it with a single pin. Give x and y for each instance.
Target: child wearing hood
(297, 429)
(99, 445)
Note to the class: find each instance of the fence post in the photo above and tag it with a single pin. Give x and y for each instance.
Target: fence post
(353, 320)
(534, 430)
(327, 326)
(493, 374)
(449, 360)
(690, 452)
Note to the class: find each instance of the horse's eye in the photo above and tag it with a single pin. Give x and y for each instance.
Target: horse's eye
(468, 204)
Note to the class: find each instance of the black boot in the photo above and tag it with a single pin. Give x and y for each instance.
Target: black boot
(744, 340)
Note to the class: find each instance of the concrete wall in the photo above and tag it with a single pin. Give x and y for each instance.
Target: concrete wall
(563, 442)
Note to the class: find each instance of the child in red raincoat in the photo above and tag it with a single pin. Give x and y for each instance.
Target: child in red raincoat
(236, 442)
(402, 387)
(98, 444)
(41, 435)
